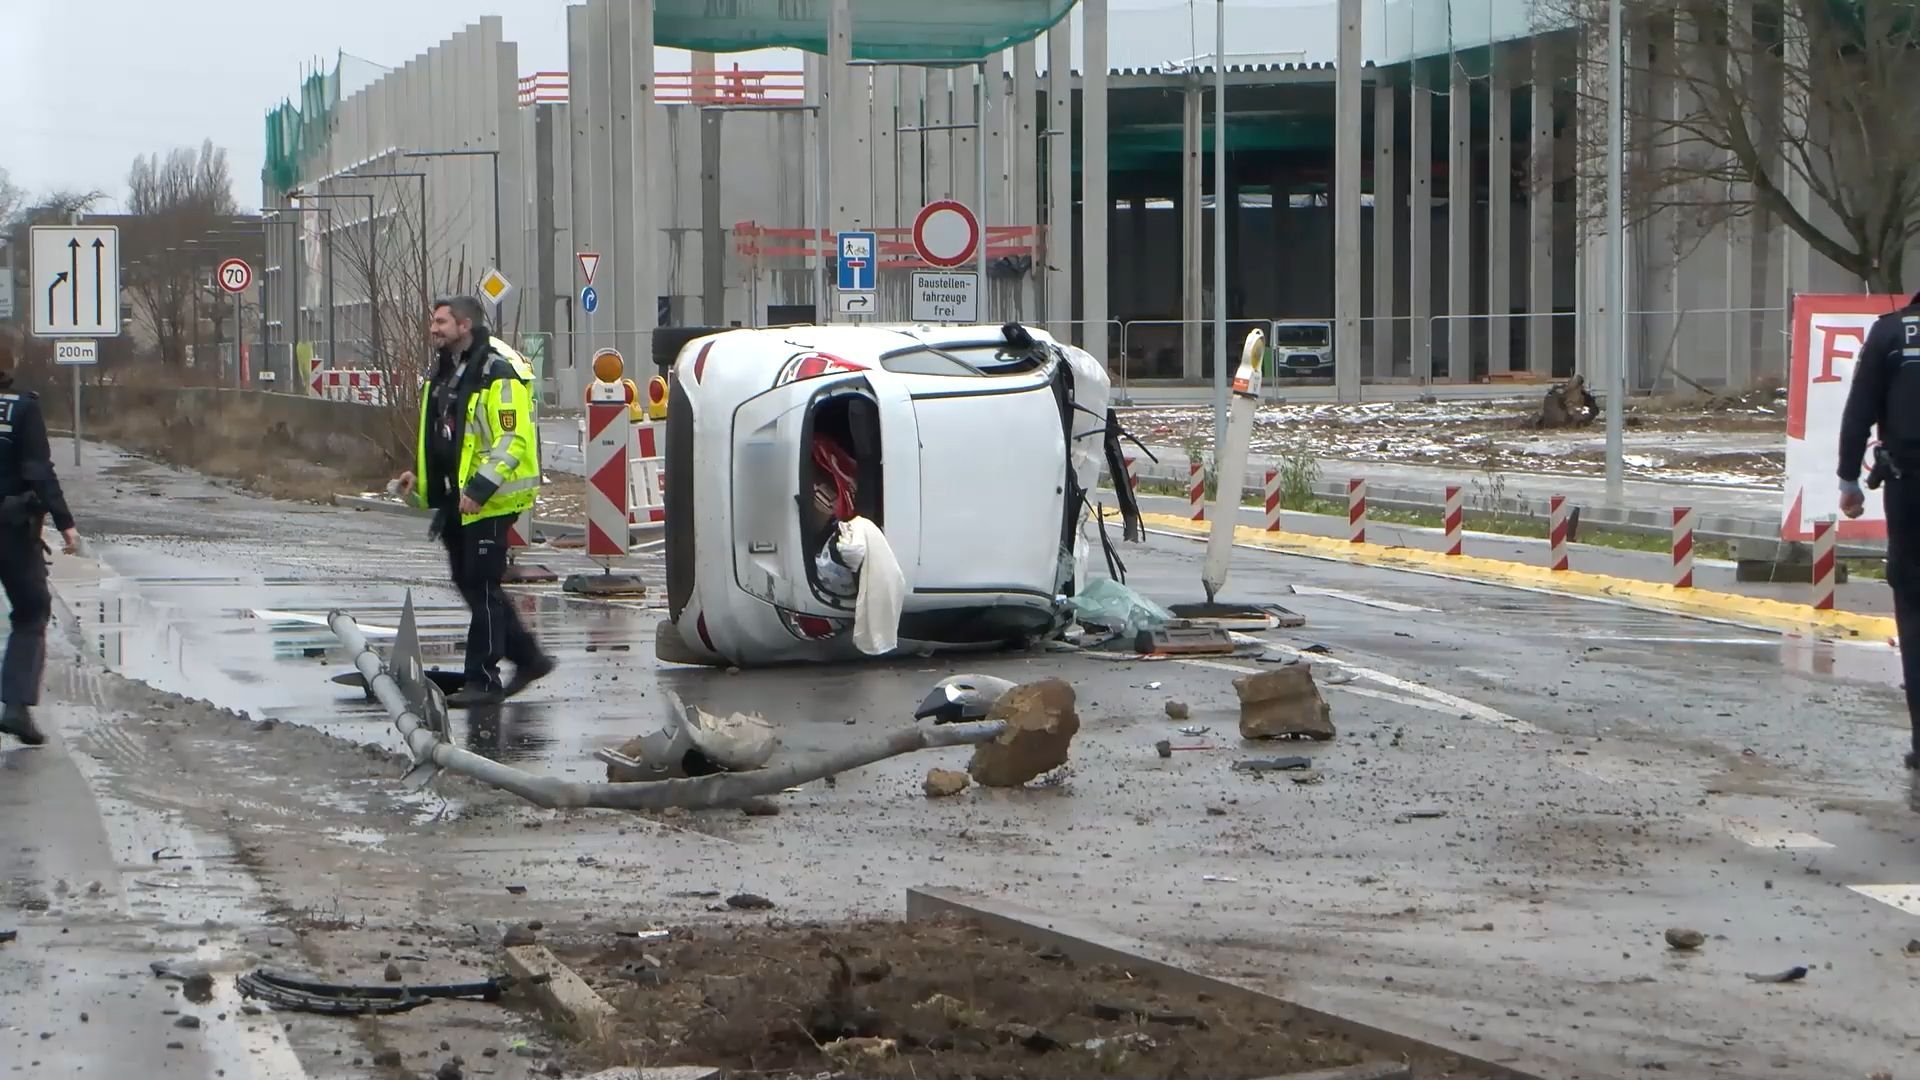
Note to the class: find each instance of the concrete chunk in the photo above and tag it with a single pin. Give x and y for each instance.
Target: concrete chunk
(560, 992)
(943, 782)
(1385, 1070)
(1041, 724)
(1283, 703)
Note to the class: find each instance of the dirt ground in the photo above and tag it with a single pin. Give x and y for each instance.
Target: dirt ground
(926, 1000)
(1692, 437)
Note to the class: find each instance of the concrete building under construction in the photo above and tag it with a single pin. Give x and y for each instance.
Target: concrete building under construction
(712, 195)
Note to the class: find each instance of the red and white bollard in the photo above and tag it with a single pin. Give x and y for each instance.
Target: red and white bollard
(1455, 521)
(646, 475)
(1683, 522)
(1357, 511)
(1825, 535)
(609, 435)
(1133, 475)
(1273, 500)
(1557, 532)
(1196, 490)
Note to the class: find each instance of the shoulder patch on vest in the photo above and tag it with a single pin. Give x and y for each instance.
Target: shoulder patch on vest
(508, 419)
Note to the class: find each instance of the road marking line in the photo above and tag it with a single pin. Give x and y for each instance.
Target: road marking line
(1904, 897)
(1754, 834)
(1341, 594)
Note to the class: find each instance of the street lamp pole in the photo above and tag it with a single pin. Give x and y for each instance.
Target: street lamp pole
(1220, 396)
(495, 155)
(373, 263)
(332, 344)
(425, 286)
(1616, 334)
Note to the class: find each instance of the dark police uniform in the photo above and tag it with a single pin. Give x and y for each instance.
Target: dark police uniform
(29, 492)
(1886, 395)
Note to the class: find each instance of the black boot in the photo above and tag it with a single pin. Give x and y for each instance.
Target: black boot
(474, 696)
(1913, 760)
(17, 721)
(525, 675)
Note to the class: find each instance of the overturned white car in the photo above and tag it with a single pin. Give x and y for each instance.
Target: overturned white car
(970, 451)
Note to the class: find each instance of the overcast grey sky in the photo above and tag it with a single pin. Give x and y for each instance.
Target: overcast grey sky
(86, 85)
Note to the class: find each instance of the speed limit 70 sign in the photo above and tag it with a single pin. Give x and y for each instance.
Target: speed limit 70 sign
(235, 275)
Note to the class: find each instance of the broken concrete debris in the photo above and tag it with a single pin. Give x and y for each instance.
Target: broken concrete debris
(749, 902)
(1792, 974)
(1040, 725)
(1273, 764)
(1283, 703)
(1177, 710)
(1680, 937)
(943, 782)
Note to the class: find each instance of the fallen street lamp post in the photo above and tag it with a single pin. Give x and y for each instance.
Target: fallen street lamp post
(433, 751)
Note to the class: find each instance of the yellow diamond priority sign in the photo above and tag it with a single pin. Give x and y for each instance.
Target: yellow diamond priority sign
(495, 286)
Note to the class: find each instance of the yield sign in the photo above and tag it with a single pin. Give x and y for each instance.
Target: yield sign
(589, 262)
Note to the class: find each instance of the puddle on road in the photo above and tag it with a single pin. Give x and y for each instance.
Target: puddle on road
(257, 643)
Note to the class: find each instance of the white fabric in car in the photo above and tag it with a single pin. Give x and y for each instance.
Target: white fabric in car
(883, 588)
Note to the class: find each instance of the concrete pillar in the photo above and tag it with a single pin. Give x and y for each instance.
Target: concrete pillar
(1460, 257)
(1419, 225)
(1096, 206)
(995, 201)
(644, 227)
(1347, 139)
(704, 87)
(610, 280)
(1739, 234)
(1590, 355)
(1500, 213)
(1024, 141)
(713, 235)
(966, 181)
(1192, 220)
(1541, 173)
(845, 179)
(939, 144)
(517, 255)
(886, 165)
(1058, 147)
(909, 150)
(1386, 214)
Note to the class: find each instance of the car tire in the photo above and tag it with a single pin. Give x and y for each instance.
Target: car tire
(670, 648)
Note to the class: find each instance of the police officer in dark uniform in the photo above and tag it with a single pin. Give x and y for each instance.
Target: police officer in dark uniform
(29, 492)
(1886, 395)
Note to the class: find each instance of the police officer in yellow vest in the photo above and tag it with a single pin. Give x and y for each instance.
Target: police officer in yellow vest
(477, 466)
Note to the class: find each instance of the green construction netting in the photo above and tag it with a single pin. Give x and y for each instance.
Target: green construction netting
(296, 135)
(883, 29)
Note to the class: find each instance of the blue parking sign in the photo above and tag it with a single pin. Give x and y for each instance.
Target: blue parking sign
(858, 254)
(589, 299)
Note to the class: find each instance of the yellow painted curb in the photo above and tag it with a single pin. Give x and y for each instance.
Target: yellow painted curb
(1753, 610)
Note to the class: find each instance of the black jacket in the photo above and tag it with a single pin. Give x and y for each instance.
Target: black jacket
(26, 464)
(1885, 393)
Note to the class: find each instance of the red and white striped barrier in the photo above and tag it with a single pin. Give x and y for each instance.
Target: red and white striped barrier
(1825, 534)
(1133, 475)
(1683, 523)
(1273, 500)
(608, 440)
(347, 384)
(1455, 520)
(646, 475)
(1196, 490)
(1557, 532)
(1357, 511)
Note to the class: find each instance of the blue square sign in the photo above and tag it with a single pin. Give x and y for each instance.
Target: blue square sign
(858, 254)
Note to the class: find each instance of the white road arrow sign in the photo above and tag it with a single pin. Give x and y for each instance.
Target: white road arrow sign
(75, 281)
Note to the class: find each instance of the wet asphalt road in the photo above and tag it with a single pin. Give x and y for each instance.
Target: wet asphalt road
(1602, 774)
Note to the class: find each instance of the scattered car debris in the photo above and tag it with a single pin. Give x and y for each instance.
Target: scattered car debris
(289, 992)
(1245, 617)
(1272, 764)
(1105, 603)
(1913, 946)
(7, 937)
(1406, 816)
(1040, 724)
(962, 698)
(749, 902)
(1283, 704)
(1216, 878)
(517, 890)
(1182, 639)
(1682, 938)
(944, 782)
(1194, 731)
(196, 984)
(1306, 777)
(1792, 974)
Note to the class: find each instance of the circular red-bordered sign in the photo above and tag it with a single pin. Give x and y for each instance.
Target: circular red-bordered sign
(234, 275)
(945, 233)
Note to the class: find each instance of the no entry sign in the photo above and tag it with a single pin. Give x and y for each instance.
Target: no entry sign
(945, 233)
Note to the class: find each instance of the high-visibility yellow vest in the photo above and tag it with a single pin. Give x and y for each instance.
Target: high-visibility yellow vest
(501, 445)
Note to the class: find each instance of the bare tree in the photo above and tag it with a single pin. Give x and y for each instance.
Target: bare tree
(1801, 110)
(12, 199)
(174, 199)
